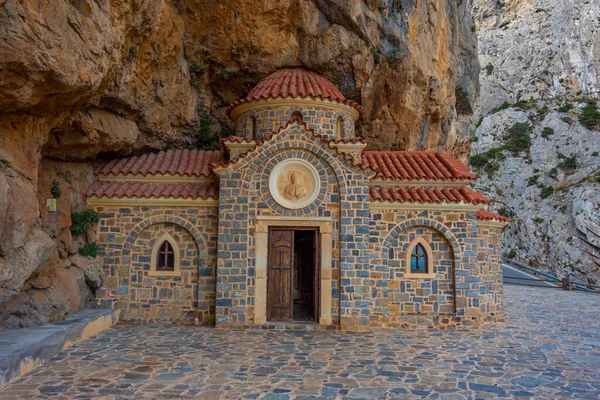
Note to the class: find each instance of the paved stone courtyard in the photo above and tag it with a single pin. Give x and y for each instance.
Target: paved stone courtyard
(549, 347)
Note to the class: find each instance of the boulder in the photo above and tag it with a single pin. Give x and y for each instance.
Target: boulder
(91, 269)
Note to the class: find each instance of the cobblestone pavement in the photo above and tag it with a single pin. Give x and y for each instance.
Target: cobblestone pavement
(549, 347)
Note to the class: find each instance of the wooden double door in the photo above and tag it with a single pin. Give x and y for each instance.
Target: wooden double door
(292, 275)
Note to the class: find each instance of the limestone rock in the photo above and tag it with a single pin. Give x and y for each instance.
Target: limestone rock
(91, 269)
(543, 53)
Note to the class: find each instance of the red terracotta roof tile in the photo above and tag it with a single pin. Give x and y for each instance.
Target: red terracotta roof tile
(295, 82)
(491, 216)
(416, 165)
(420, 195)
(174, 162)
(148, 190)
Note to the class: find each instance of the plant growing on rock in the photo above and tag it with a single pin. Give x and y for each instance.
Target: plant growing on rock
(55, 189)
(89, 250)
(224, 74)
(547, 131)
(565, 108)
(501, 107)
(79, 221)
(518, 138)
(589, 116)
(570, 163)
(547, 191)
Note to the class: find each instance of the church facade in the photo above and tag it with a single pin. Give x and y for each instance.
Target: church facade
(293, 224)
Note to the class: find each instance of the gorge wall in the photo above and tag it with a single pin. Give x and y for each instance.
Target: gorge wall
(537, 144)
(83, 80)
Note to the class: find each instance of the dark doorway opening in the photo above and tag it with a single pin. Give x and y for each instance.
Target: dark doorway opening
(292, 275)
(303, 287)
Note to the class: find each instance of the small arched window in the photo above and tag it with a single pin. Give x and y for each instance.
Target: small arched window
(297, 115)
(165, 257)
(418, 260)
(339, 128)
(251, 128)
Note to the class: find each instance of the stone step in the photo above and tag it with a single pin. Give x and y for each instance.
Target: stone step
(21, 350)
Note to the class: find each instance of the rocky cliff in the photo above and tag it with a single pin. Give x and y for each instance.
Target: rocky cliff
(538, 140)
(82, 79)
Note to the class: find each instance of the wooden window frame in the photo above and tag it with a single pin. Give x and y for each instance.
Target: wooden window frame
(430, 273)
(154, 258)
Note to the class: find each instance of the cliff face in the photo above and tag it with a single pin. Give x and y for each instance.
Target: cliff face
(540, 68)
(85, 79)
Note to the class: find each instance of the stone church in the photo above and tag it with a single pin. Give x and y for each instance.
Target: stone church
(294, 225)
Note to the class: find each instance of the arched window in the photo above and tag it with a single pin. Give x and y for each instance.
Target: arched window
(165, 257)
(339, 128)
(297, 115)
(418, 260)
(251, 128)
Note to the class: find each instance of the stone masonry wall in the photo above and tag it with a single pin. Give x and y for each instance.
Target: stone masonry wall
(125, 239)
(490, 265)
(449, 300)
(163, 297)
(270, 118)
(347, 206)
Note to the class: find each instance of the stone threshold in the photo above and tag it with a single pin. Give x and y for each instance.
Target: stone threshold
(21, 350)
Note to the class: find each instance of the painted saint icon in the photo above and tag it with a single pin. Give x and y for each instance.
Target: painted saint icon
(295, 190)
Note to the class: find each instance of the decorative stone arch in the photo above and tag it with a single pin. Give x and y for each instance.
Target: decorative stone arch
(165, 237)
(338, 166)
(424, 223)
(294, 110)
(340, 132)
(161, 219)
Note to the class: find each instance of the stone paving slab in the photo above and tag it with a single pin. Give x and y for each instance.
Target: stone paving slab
(23, 349)
(549, 347)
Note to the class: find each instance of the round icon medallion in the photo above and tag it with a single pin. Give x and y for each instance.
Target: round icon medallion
(294, 183)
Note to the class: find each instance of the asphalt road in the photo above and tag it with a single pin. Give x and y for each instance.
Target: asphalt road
(509, 273)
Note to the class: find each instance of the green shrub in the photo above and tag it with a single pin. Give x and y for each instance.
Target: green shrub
(589, 116)
(533, 180)
(489, 69)
(197, 69)
(547, 131)
(518, 137)
(554, 171)
(475, 139)
(565, 108)
(89, 250)
(501, 107)
(567, 120)
(511, 254)
(539, 220)
(547, 191)
(4, 162)
(595, 154)
(55, 189)
(79, 221)
(479, 160)
(376, 55)
(570, 162)
(490, 168)
(499, 192)
(224, 74)
(526, 104)
(505, 212)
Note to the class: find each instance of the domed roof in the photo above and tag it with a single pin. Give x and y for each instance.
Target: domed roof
(295, 83)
